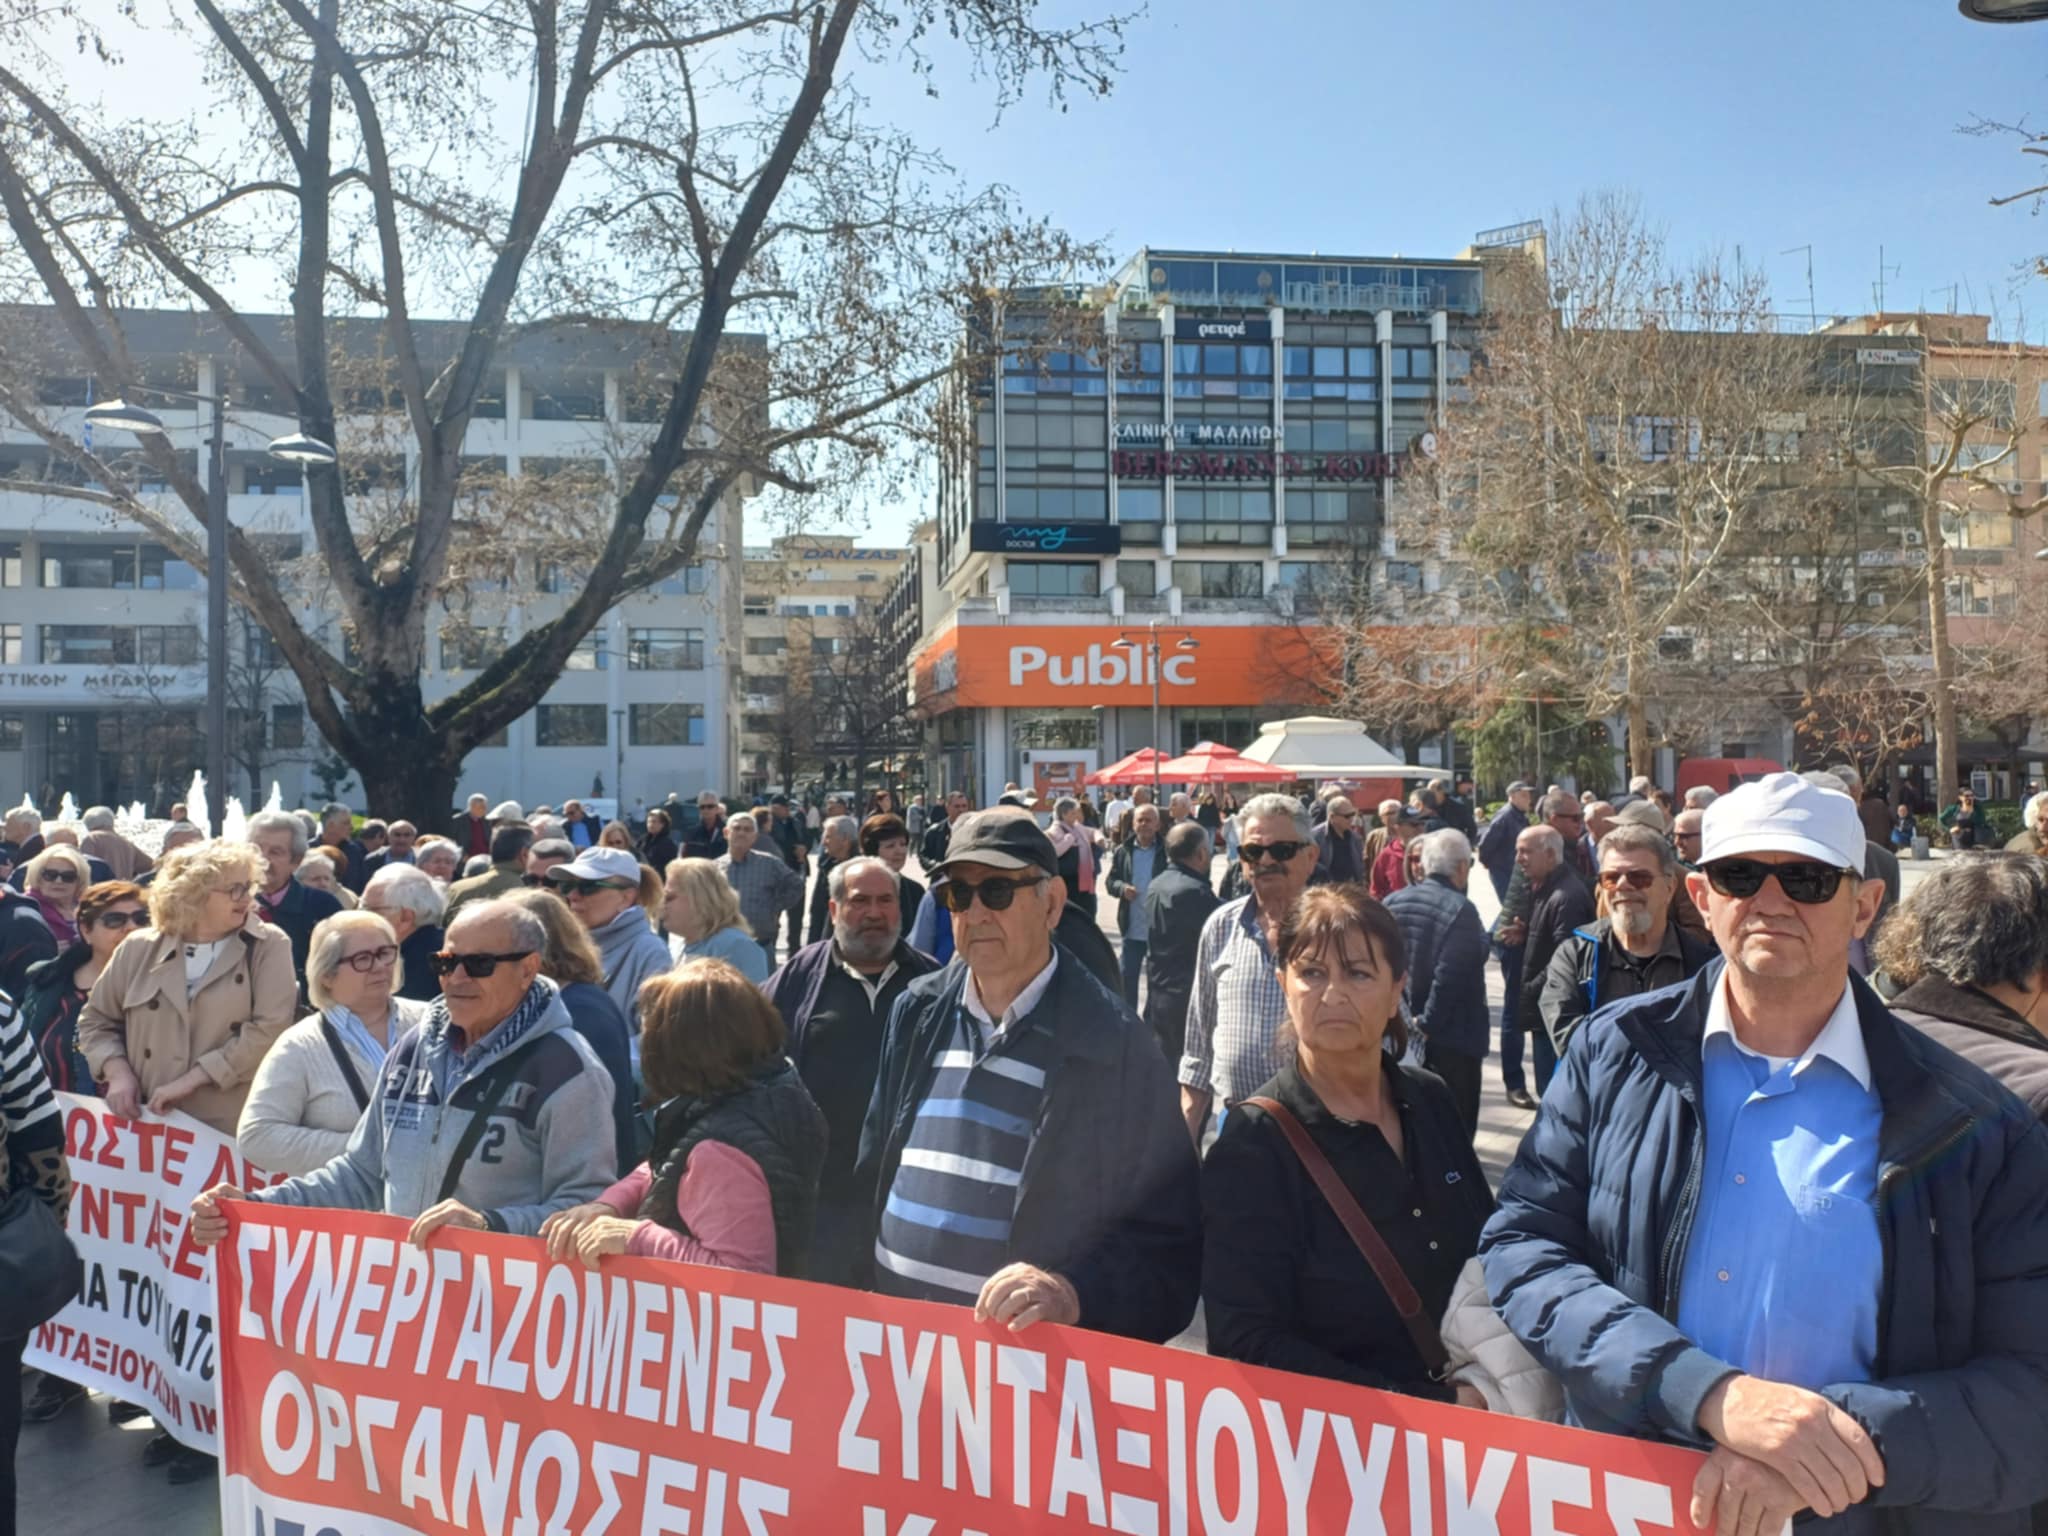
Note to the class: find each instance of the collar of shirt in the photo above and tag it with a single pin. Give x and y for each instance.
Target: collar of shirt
(357, 1033)
(1034, 989)
(1840, 1039)
(872, 985)
(1624, 956)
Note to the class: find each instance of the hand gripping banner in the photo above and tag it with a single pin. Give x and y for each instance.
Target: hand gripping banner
(372, 1388)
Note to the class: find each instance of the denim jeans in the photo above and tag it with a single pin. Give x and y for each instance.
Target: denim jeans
(1133, 967)
(1511, 1075)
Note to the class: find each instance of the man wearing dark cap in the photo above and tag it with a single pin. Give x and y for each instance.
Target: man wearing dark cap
(1016, 1058)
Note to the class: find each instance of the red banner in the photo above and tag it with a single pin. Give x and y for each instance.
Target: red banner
(370, 1386)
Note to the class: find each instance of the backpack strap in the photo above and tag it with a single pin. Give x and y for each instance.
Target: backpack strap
(1364, 1235)
(347, 1064)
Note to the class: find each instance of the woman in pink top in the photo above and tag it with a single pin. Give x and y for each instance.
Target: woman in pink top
(732, 1177)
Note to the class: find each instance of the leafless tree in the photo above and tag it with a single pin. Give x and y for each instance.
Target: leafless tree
(697, 175)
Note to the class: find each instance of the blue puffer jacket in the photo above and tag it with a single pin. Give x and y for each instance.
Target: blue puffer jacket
(1111, 1192)
(1584, 1257)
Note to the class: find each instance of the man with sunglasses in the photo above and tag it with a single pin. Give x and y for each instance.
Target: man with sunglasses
(491, 1115)
(1759, 1213)
(1637, 947)
(1021, 1154)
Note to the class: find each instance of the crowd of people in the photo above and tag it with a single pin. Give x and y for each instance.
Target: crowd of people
(1784, 1197)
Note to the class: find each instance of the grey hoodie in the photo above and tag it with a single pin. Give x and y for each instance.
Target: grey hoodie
(630, 952)
(547, 1142)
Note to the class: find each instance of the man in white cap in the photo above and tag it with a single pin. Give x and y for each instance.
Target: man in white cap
(1758, 1214)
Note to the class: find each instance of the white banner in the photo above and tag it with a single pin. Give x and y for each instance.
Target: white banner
(141, 1329)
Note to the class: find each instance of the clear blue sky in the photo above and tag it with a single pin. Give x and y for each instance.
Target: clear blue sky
(1370, 129)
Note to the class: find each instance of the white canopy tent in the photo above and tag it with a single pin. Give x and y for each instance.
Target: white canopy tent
(1323, 747)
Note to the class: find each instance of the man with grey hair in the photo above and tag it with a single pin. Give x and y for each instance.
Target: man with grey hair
(399, 839)
(23, 827)
(1558, 902)
(413, 904)
(543, 856)
(1635, 948)
(1969, 948)
(284, 903)
(838, 841)
(1235, 1009)
(1073, 840)
(1446, 991)
(492, 1115)
(1340, 846)
(1699, 797)
(835, 997)
(764, 884)
(1179, 808)
(1178, 904)
(337, 830)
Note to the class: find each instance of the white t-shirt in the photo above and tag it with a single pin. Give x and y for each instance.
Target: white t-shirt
(198, 961)
(1113, 814)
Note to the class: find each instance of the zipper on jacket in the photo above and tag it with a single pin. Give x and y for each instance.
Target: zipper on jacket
(1886, 1181)
(1679, 1238)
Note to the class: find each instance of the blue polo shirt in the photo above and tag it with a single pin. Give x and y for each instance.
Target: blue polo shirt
(1784, 1269)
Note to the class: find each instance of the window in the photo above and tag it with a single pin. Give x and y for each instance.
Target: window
(169, 645)
(766, 645)
(827, 645)
(263, 651)
(1054, 578)
(687, 582)
(12, 733)
(1138, 578)
(667, 650)
(589, 655)
(665, 725)
(287, 726)
(1981, 402)
(758, 607)
(1223, 516)
(1219, 578)
(757, 725)
(100, 645)
(105, 567)
(569, 725)
(10, 565)
(1982, 596)
(10, 645)
(470, 648)
(1312, 578)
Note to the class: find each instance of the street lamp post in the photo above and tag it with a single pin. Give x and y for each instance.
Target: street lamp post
(294, 449)
(1146, 642)
(619, 759)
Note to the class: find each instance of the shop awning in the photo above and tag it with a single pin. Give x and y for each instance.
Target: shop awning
(1135, 769)
(1213, 763)
(1324, 747)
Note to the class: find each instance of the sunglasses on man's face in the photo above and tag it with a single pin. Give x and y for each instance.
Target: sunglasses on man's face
(1806, 881)
(1634, 879)
(1279, 853)
(478, 966)
(123, 919)
(996, 895)
(584, 887)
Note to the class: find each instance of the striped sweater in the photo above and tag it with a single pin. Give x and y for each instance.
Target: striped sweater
(32, 1152)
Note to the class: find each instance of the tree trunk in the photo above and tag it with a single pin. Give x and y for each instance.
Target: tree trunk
(408, 769)
(1946, 744)
(1642, 752)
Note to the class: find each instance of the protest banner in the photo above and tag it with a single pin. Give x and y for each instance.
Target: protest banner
(141, 1328)
(368, 1386)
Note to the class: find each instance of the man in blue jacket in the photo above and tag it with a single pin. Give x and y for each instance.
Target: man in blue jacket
(1447, 968)
(1759, 1214)
(1023, 1154)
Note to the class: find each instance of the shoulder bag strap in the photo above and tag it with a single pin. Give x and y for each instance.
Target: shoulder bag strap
(1393, 1279)
(347, 1065)
(492, 1081)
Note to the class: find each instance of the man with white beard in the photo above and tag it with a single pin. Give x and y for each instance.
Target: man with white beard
(1634, 947)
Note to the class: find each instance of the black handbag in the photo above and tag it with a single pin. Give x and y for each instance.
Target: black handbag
(40, 1270)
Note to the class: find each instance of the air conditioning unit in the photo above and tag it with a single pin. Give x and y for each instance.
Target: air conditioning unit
(1873, 599)
(1915, 538)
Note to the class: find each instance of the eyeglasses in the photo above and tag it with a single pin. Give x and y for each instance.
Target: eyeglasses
(1280, 853)
(478, 966)
(1634, 879)
(59, 874)
(1568, 816)
(574, 887)
(533, 880)
(123, 919)
(235, 892)
(996, 895)
(368, 960)
(1807, 881)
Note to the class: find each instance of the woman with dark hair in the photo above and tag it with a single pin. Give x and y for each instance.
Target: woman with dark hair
(886, 838)
(1283, 1283)
(57, 988)
(659, 848)
(732, 1178)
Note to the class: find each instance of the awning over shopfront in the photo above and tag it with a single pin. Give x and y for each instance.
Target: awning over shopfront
(1323, 747)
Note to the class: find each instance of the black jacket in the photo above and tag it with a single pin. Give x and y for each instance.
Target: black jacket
(909, 895)
(50, 1007)
(772, 1120)
(1079, 937)
(931, 849)
(25, 940)
(416, 954)
(1446, 965)
(1585, 976)
(1177, 904)
(701, 844)
(1560, 905)
(820, 924)
(1122, 880)
(1324, 835)
(298, 913)
(1110, 1195)
(1984, 1032)
(602, 1024)
(1584, 1256)
(1282, 1283)
(659, 850)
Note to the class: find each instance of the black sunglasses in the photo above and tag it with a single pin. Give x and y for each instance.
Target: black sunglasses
(1807, 881)
(1280, 853)
(59, 874)
(478, 966)
(575, 887)
(123, 919)
(996, 895)
(1634, 879)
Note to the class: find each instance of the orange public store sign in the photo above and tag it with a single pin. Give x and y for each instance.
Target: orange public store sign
(972, 666)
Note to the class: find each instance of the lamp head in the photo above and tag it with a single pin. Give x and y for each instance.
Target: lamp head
(123, 417)
(297, 448)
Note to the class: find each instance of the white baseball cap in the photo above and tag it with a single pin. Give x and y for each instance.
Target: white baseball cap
(599, 864)
(1782, 813)
(506, 810)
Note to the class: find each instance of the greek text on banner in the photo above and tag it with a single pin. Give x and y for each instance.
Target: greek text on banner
(477, 1386)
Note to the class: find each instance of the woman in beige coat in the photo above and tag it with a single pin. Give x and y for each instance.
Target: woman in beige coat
(185, 1010)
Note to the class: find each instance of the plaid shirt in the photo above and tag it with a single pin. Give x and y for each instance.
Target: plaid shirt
(1236, 1009)
(766, 888)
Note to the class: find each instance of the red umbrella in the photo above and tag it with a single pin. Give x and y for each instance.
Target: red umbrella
(1135, 769)
(1212, 763)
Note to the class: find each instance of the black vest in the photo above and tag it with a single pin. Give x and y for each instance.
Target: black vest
(772, 1119)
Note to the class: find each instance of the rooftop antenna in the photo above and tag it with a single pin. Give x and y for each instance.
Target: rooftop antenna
(1882, 271)
(1812, 309)
(1950, 290)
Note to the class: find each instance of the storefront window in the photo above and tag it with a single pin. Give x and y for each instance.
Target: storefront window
(1074, 730)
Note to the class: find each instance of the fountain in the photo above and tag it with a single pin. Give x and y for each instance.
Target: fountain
(276, 800)
(196, 810)
(67, 811)
(234, 823)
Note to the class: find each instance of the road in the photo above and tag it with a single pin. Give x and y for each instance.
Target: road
(83, 1476)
